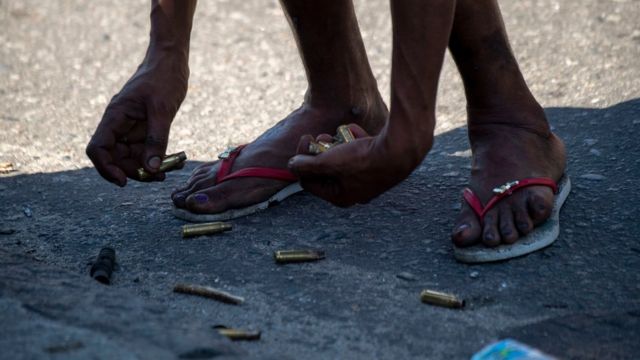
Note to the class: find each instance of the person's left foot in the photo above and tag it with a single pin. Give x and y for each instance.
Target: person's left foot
(508, 146)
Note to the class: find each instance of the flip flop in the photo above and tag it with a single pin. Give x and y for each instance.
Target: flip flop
(228, 157)
(542, 236)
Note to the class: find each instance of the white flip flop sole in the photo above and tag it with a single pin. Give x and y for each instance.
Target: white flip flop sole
(541, 237)
(236, 213)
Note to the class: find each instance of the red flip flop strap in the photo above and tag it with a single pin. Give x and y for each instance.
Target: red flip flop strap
(259, 172)
(474, 202)
(226, 164)
(476, 205)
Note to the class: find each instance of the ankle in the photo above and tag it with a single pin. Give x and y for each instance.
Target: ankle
(364, 107)
(529, 116)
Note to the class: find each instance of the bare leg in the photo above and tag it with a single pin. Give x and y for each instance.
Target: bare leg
(363, 169)
(509, 134)
(341, 89)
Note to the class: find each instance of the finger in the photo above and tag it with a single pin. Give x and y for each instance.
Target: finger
(327, 189)
(303, 144)
(325, 138)
(357, 131)
(308, 166)
(158, 127)
(98, 150)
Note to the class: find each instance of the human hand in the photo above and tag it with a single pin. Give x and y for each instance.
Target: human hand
(134, 130)
(350, 173)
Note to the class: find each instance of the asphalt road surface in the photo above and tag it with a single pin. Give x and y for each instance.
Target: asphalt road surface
(61, 61)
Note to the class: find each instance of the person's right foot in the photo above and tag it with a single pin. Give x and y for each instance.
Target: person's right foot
(272, 149)
(509, 145)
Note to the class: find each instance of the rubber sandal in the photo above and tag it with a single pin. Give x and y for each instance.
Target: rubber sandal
(228, 157)
(540, 237)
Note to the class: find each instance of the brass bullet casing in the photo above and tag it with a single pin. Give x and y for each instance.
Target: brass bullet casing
(319, 147)
(292, 256)
(170, 162)
(344, 134)
(441, 299)
(208, 292)
(237, 334)
(191, 230)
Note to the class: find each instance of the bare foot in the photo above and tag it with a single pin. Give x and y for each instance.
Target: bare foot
(272, 149)
(509, 145)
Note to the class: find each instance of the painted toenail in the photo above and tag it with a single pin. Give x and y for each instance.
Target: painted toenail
(462, 228)
(201, 198)
(154, 162)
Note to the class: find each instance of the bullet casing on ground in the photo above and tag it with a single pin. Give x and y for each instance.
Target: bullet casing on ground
(191, 230)
(441, 299)
(170, 162)
(291, 256)
(238, 334)
(208, 292)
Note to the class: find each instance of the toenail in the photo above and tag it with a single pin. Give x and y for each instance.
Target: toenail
(201, 198)
(154, 162)
(523, 225)
(462, 228)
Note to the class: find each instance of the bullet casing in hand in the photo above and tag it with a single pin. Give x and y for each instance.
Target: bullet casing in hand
(170, 162)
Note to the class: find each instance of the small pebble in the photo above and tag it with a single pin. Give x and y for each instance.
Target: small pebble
(593, 177)
(595, 152)
(451, 174)
(406, 276)
(590, 142)
(27, 212)
(474, 274)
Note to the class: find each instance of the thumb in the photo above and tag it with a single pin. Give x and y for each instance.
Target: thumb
(305, 165)
(155, 147)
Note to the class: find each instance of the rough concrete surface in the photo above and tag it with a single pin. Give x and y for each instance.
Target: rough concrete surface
(60, 61)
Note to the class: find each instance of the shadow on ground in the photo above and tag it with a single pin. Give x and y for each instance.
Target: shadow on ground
(351, 305)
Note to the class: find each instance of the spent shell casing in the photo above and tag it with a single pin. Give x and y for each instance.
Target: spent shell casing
(319, 147)
(170, 162)
(292, 256)
(191, 230)
(441, 299)
(208, 292)
(102, 268)
(344, 134)
(238, 334)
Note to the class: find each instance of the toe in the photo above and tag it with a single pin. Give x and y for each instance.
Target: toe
(231, 195)
(490, 234)
(540, 204)
(467, 230)
(508, 231)
(179, 198)
(521, 216)
(198, 174)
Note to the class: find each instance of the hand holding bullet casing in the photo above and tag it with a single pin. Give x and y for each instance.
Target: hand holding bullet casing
(169, 163)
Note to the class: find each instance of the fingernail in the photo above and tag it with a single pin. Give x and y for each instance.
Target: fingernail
(201, 198)
(154, 162)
